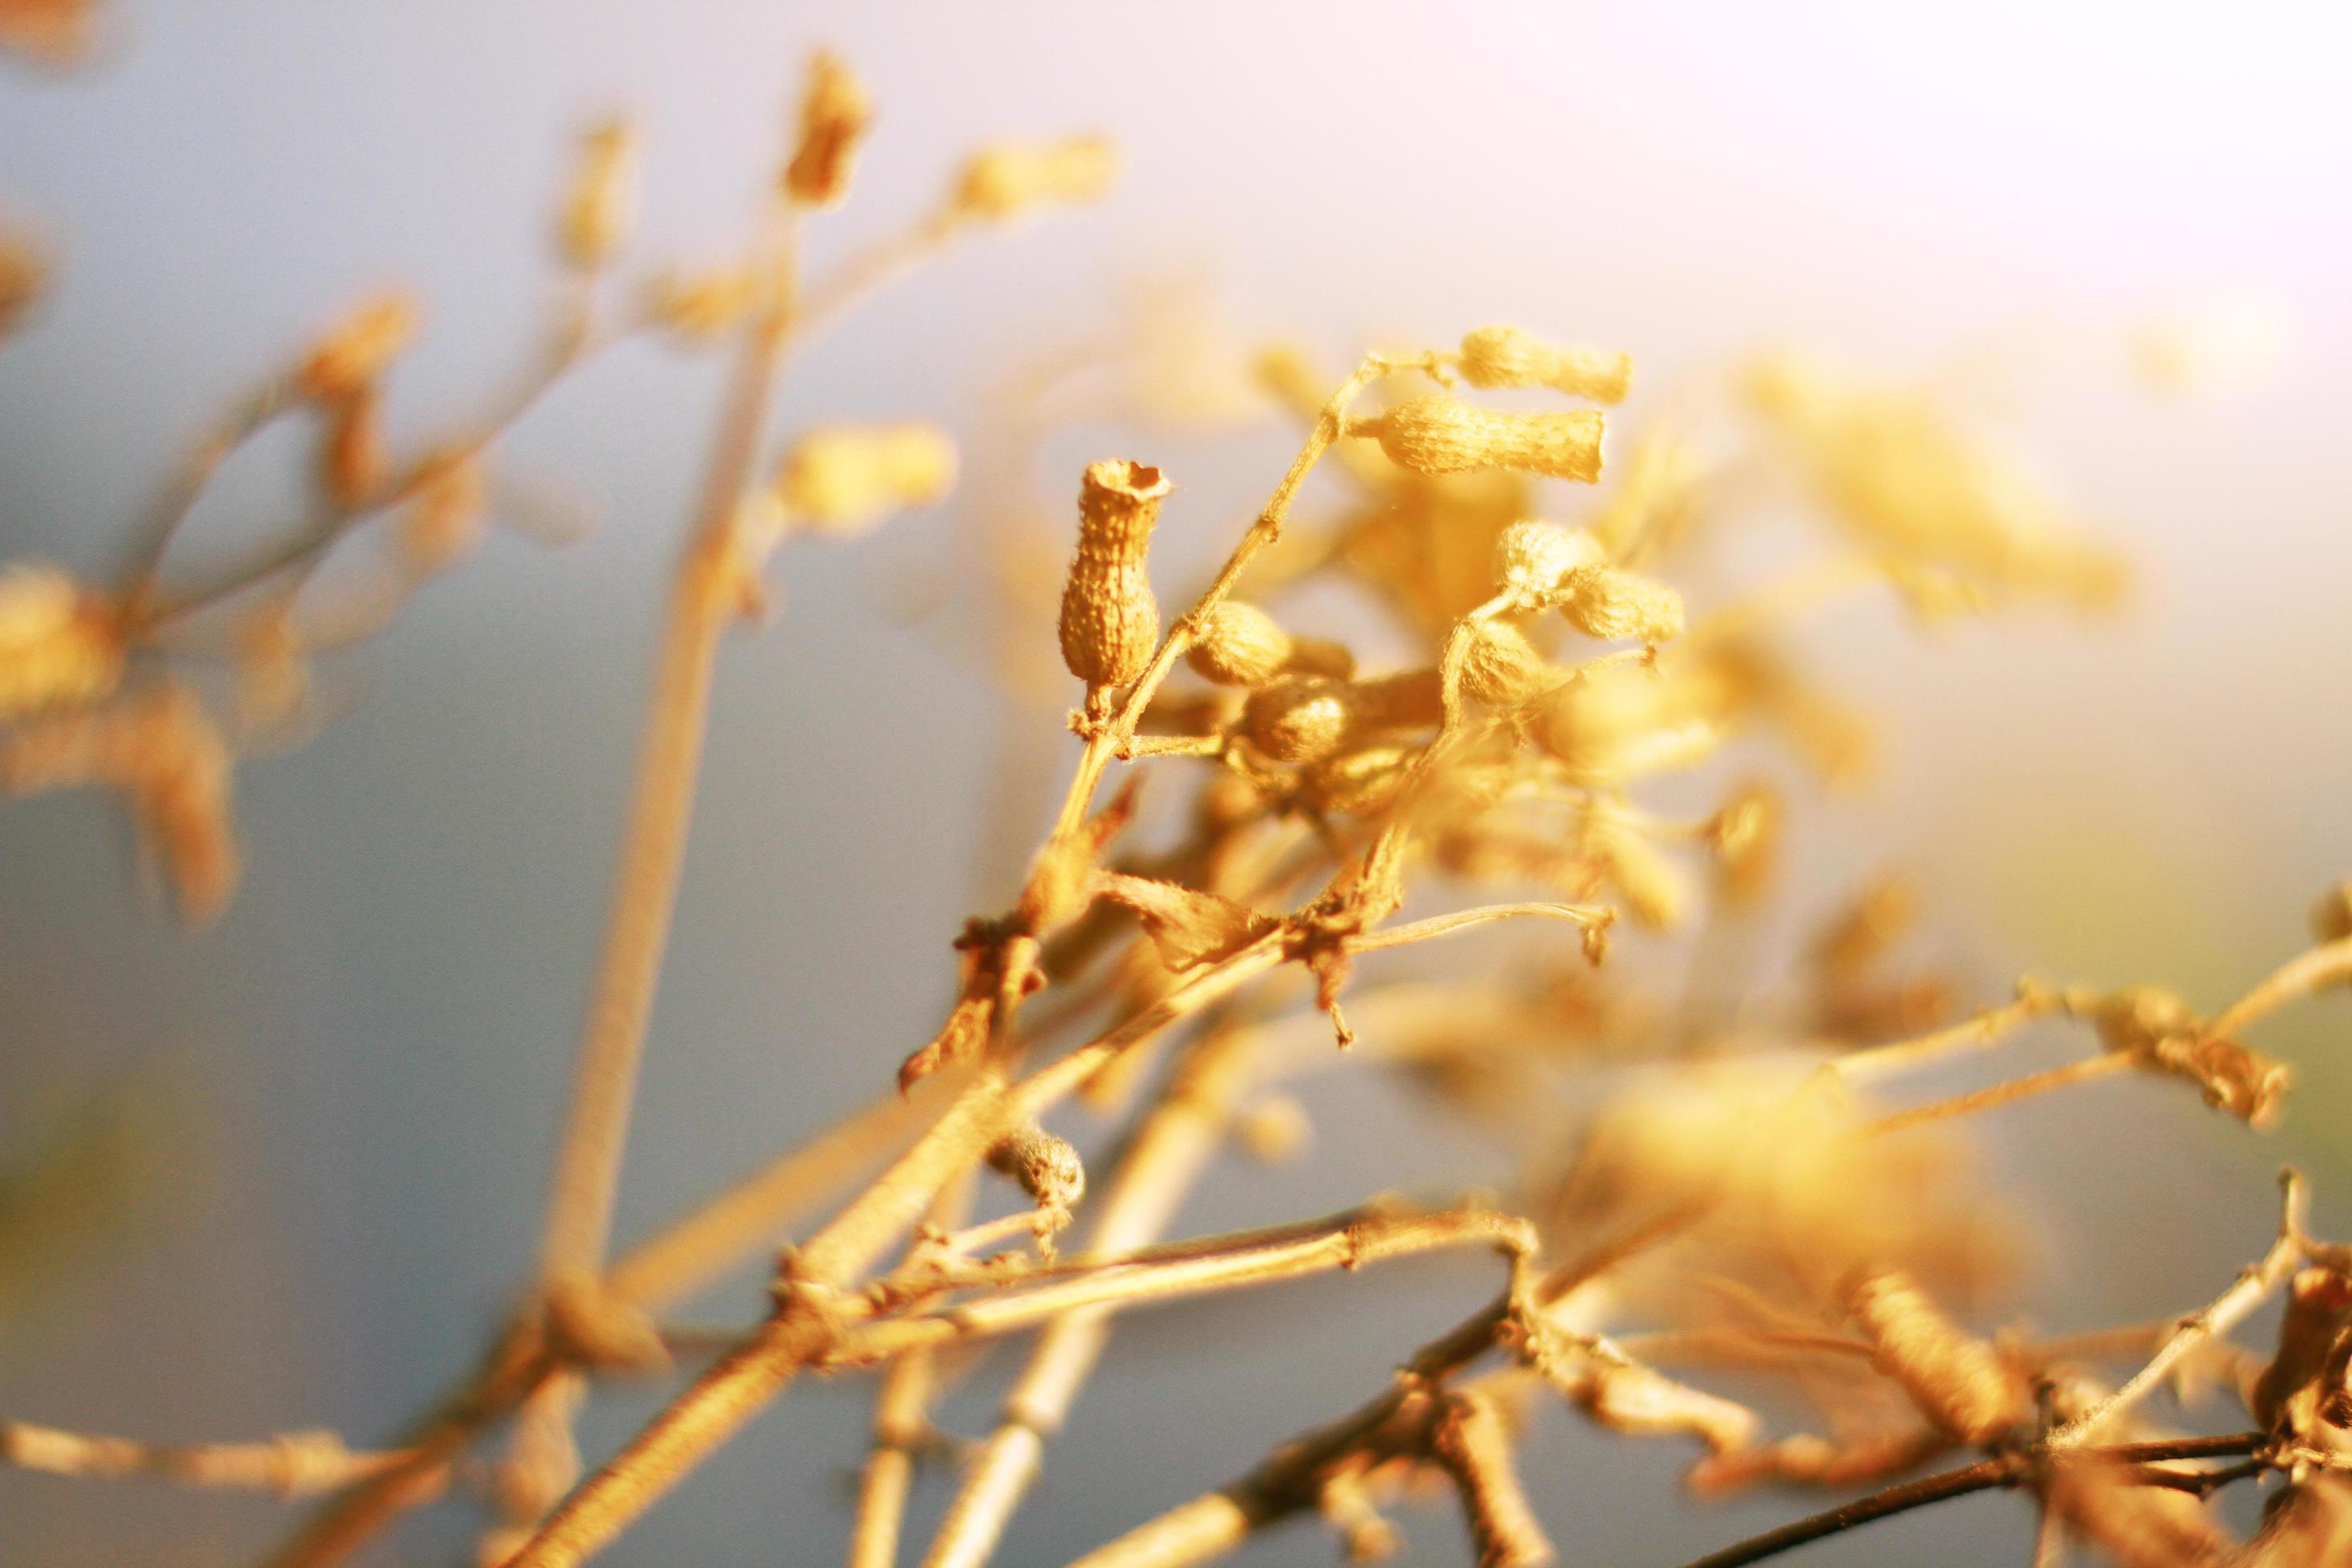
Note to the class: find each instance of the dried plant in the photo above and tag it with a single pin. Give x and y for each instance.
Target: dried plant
(1758, 1198)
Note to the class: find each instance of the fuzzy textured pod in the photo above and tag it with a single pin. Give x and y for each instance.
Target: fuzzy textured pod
(844, 478)
(1110, 621)
(1006, 180)
(834, 113)
(1620, 607)
(1506, 356)
(1043, 1164)
(1439, 434)
(1241, 644)
(1534, 560)
(1957, 1381)
(1307, 718)
(59, 646)
(1502, 668)
(601, 204)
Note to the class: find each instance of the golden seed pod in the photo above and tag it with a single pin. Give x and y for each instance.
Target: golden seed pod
(355, 351)
(1533, 560)
(846, 478)
(1502, 668)
(59, 646)
(1647, 883)
(701, 307)
(1110, 623)
(1299, 720)
(1443, 435)
(1006, 180)
(835, 114)
(1504, 356)
(1359, 782)
(1957, 1381)
(351, 457)
(23, 273)
(1621, 606)
(1045, 1165)
(603, 201)
(1241, 644)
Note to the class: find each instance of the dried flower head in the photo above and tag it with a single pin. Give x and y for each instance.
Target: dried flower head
(1504, 356)
(834, 113)
(1004, 181)
(353, 353)
(1439, 434)
(58, 645)
(601, 205)
(844, 479)
(1110, 622)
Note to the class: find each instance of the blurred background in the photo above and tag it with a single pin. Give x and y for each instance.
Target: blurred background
(340, 1102)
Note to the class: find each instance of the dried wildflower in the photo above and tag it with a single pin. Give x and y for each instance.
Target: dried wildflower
(844, 478)
(1188, 926)
(1110, 623)
(23, 274)
(353, 353)
(1473, 1442)
(1534, 562)
(443, 520)
(1502, 668)
(1004, 181)
(1442, 435)
(1958, 1383)
(702, 307)
(1620, 607)
(1504, 356)
(59, 646)
(1241, 644)
(602, 204)
(1045, 1165)
(834, 113)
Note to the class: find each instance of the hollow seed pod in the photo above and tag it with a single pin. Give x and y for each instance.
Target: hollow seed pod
(1110, 623)
(834, 118)
(1361, 782)
(1444, 435)
(1044, 1164)
(1534, 560)
(1004, 181)
(1502, 668)
(1241, 644)
(1621, 606)
(1297, 720)
(1504, 356)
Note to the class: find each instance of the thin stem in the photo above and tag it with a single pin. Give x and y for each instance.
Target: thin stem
(294, 1464)
(1590, 917)
(2298, 977)
(1988, 1027)
(2002, 1093)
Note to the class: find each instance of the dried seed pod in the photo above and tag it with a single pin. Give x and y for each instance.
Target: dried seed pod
(1299, 720)
(1623, 722)
(1502, 668)
(1004, 181)
(23, 274)
(1110, 623)
(353, 461)
(1406, 699)
(834, 113)
(1359, 782)
(1533, 561)
(1442, 435)
(1188, 926)
(1504, 356)
(59, 646)
(1241, 644)
(702, 307)
(1620, 607)
(1652, 891)
(843, 480)
(1473, 1442)
(1957, 1381)
(354, 353)
(602, 204)
(1045, 1166)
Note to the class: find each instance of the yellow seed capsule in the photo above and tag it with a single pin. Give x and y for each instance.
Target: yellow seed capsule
(1299, 720)
(701, 307)
(601, 204)
(1241, 644)
(58, 644)
(1046, 1165)
(845, 479)
(1533, 560)
(1620, 607)
(1359, 782)
(1110, 623)
(1502, 668)
(1444, 435)
(351, 457)
(1504, 356)
(1004, 181)
(834, 118)
(356, 352)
